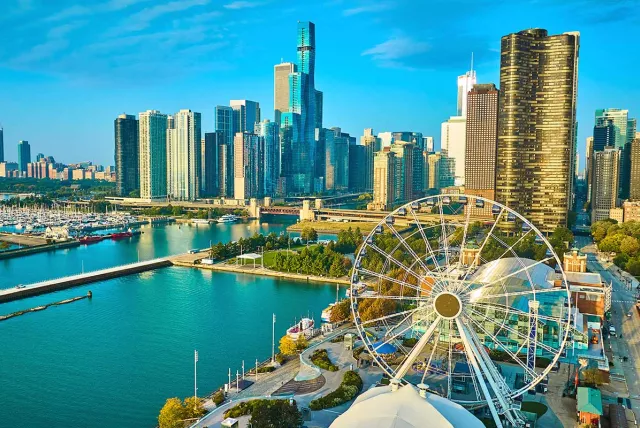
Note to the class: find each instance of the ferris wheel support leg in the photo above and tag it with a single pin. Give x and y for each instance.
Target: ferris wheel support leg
(474, 364)
(533, 336)
(416, 350)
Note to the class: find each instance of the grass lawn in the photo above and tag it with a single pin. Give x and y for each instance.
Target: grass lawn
(269, 256)
(534, 407)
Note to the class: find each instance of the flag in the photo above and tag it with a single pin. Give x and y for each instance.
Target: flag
(196, 356)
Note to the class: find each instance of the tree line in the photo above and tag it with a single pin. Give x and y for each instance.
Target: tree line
(622, 239)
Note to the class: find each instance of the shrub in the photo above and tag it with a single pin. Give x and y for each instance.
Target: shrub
(320, 358)
(350, 387)
(409, 342)
(218, 397)
(281, 359)
(338, 339)
(266, 369)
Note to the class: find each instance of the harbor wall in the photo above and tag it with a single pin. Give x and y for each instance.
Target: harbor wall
(38, 249)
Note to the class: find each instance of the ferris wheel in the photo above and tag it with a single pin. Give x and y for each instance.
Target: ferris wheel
(464, 296)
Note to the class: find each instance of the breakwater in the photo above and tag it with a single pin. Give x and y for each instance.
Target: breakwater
(43, 307)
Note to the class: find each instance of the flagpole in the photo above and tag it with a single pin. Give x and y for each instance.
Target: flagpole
(195, 379)
(273, 340)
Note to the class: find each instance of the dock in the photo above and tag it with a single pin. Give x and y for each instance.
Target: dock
(49, 286)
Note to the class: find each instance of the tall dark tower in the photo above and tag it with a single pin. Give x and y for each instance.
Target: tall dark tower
(126, 154)
(1, 144)
(537, 125)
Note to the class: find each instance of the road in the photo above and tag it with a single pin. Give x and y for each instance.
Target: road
(627, 342)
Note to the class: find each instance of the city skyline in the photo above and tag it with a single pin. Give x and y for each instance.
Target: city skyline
(415, 68)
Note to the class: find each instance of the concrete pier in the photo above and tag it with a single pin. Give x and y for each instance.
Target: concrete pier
(49, 286)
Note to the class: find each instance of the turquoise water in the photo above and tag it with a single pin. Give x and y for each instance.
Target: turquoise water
(113, 360)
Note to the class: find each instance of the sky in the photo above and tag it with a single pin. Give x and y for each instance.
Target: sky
(69, 67)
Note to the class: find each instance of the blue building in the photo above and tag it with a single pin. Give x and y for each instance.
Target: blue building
(269, 134)
(225, 126)
(24, 155)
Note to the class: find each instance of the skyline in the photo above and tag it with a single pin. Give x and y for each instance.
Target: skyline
(418, 71)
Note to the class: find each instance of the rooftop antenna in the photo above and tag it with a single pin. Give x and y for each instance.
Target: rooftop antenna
(472, 61)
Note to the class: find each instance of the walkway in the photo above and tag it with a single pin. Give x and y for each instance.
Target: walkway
(51, 285)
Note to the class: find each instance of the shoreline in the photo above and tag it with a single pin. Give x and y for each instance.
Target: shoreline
(249, 269)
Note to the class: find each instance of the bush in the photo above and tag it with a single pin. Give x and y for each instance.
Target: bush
(350, 387)
(266, 369)
(338, 339)
(271, 413)
(281, 359)
(320, 358)
(357, 352)
(409, 342)
(218, 397)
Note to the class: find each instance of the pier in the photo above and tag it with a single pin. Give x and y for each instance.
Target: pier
(51, 285)
(43, 307)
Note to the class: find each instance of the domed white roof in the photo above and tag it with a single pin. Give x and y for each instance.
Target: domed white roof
(381, 407)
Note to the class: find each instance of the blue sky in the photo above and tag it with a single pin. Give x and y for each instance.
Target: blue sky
(68, 68)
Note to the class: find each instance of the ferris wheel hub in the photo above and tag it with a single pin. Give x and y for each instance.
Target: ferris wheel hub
(447, 305)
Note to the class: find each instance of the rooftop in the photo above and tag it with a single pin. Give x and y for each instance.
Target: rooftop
(589, 400)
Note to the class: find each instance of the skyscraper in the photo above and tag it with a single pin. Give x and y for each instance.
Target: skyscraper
(269, 133)
(336, 161)
(301, 117)
(404, 180)
(126, 154)
(385, 169)
(248, 166)
(281, 95)
(224, 125)
(587, 166)
(209, 164)
(465, 83)
(604, 134)
(604, 196)
(245, 115)
(356, 161)
(371, 145)
(24, 156)
(625, 160)
(634, 175)
(453, 142)
(481, 140)
(619, 119)
(1, 144)
(427, 144)
(318, 109)
(184, 156)
(536, 125)
(152, 132)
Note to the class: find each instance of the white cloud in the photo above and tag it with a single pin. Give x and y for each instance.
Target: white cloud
(70, 12)
(378, 7)
(141, 20)
(240, 4)
(391, 52)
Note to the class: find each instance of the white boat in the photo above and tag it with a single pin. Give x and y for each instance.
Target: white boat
(304, 327)
(326, 313)
(200, 221)
(228, 218)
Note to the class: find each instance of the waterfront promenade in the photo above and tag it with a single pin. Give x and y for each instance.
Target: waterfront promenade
(15, 293)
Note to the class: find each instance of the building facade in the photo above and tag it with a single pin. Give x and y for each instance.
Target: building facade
(152, 132)
(1, 144)
(224, 125)
(537, 125)
(245, 115)
(453, 142)
(336, 161)
(209, 164)
(269, 133)
(604, 195)
(384, 171)
(184, 144)
(24, 156)
(248, 166)
(634, 170)
(371, 145)
(126, 154)
(481, 140)
(281, 94)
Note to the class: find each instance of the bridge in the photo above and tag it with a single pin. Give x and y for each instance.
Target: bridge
(57, 284)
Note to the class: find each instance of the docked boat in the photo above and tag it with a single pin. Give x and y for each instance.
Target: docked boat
(228, 218)
(200, 221)
(91, 239)
(121, 235)
(326, 313)
(303, 327)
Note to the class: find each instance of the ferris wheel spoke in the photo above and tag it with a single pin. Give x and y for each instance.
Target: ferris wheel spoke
(426, 241)
(512, 274)
(417, 349)
(384, 277)
(386, 317)
(479, 366)
(520, 262)
(504, 347)
(450, 373)
(514, 311)
(443, 233)
(464, 236)
(548, 348)
(404, 330)
(519, 293)
(409, 249)
(393, 259)
(433, 350)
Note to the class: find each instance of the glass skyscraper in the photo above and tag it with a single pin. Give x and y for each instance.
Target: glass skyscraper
(24, 155)
(1, 145)
(269, 133)
(184, 156)
(152, 131)
(126, 154)
(224, 125)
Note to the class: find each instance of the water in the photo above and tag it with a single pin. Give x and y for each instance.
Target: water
(113, 360)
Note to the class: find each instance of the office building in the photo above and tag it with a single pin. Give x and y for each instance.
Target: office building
(269, 133)
(465, 84)
(604, 134)
(248, 166)
(587, 166)
(372, 144)
(453, 141)
(619, 119)
(245, 115)
(625, 161)
(481, 140)
(209, 164)
(427, 144)
(604, 195)
(8, 169)
(281, 92)
(24, 156)
(318, 109)
(404, 181)
(386, 139)
(126, 154)
(320, 165)
(634, 173)
(184, 144)
(1, 144)
(537, 125)
(356, 174)
(224, 125)
(385, 170)
(336, 161)
(152, 132)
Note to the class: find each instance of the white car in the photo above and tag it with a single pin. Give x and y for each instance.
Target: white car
(612, 331)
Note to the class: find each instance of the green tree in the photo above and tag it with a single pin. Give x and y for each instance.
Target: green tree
(630, 245)
(592, 376)
(172, 414)
(301, 343)
(309, 234)
(341, 311)
(275, 414)
(633, 266)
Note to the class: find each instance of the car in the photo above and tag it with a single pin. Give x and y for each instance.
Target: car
(194, 251)
(21, 286)
(629, 314)
(612, 331)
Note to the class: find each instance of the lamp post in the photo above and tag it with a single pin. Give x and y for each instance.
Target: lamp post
(195, 378)
(273, 340)
(256, 370)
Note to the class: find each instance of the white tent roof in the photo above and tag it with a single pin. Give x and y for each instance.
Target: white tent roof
(249, 256)
(381, 407)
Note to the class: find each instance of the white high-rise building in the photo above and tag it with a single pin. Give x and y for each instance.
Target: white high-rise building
(386, 139)
(152, 131)
(453, 143)
(281, 88)
(184, 153)
(465, 83)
